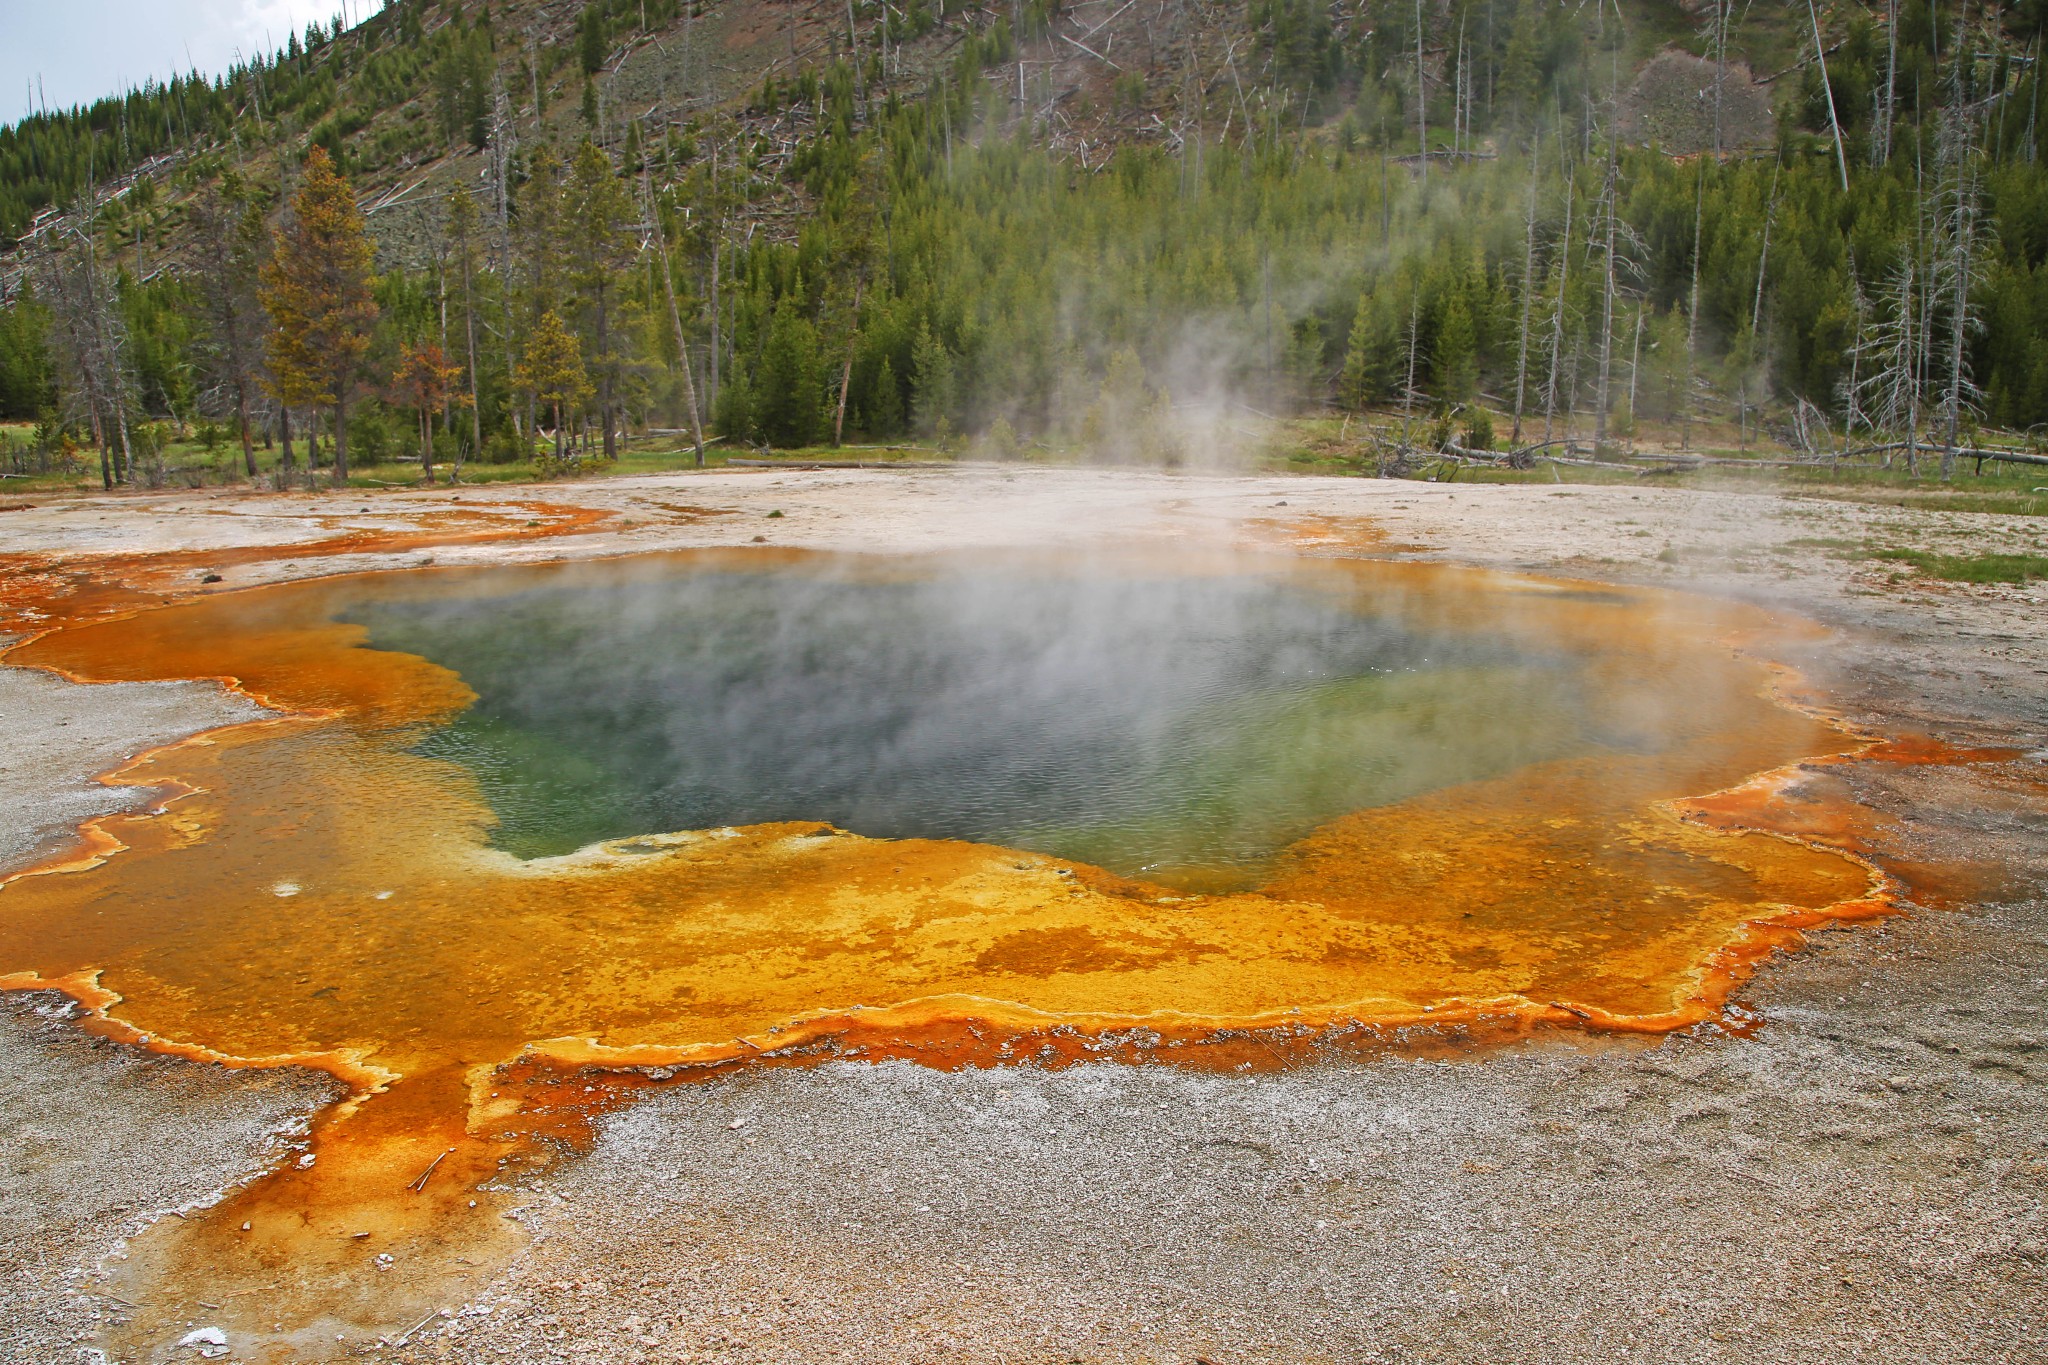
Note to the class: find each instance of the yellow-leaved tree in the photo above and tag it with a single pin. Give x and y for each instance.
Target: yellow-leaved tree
(552, 370)
(316, 290)
(423, 382)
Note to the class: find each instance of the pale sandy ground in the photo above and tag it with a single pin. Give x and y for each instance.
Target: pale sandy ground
(1862, 1179)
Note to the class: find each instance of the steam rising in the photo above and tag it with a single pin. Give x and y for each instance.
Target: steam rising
(1146, 721)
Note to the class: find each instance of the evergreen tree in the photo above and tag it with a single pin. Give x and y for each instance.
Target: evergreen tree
(884, 407)
(786, 407)
(26, 376)
(596, 246)
(552, 371)
(932, 380)
(316, 289)
(1455, 356)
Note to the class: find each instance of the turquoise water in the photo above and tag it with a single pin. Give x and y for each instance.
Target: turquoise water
(1179, 727)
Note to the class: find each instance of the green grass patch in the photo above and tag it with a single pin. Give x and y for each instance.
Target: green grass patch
(1990, 568)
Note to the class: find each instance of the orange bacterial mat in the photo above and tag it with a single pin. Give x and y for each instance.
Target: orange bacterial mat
(309, 891)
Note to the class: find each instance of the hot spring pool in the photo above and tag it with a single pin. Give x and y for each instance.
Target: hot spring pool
(1177, 727)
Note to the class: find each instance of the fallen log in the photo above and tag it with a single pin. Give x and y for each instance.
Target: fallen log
(1962, 452)
(841, 464)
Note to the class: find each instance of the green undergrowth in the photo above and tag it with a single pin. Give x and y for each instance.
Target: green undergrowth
(1984, 568)
(1951, 568)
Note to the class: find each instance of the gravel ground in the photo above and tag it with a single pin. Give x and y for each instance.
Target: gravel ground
(97, 1141)
(1859, 1178)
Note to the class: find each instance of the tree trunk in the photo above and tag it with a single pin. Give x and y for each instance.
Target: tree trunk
(717, 265)
(1820, 57)
(99, 432)
(1421, 99)
(341, 441)
(1528, 297)
(127, 469)
(441, 293)
(1408, 389)
(675, 318)
(284, 436)
(1692, 312)
(604, 383)
(1889, 108)
(1720, 70)
(1635, 364)
(476, 411)
(1607, 311)
(846, 370)
(1564, 276)
(242, 419)
(1966, 231)
(427, 444)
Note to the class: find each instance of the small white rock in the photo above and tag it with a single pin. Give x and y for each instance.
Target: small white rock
(210, 1342)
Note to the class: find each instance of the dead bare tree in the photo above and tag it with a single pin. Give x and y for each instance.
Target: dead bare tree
(504, 135)
(1958, 235)
(1528, 293)
(1849, 390)
(92, 340)
(1408, 386)
(1887, 97)
(1557, 317)
(461, 228)
(1713, 30)
(1890, 347)
(1692, 311)
(230, 241)
(1620, 245)
(675, 316)
(1421, 99)
(1820, 58)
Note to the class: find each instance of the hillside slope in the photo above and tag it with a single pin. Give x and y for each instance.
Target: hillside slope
(1118, 226)
(427, 94)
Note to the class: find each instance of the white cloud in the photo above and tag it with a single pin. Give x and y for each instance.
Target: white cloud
(81, 50)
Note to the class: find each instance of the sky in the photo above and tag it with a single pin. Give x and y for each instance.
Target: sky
(83, 49)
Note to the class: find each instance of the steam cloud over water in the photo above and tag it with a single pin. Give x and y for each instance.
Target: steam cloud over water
(1151, 722)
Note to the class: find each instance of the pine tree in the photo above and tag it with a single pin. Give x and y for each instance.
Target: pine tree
(316, 289)
(885, 402)
(552, 370)
(932, 385)
(1355, 384)
(596, 242)
(787, 403)
(26, 376)
(1456, 352)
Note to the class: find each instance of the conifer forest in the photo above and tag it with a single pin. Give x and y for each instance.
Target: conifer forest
(463, 234)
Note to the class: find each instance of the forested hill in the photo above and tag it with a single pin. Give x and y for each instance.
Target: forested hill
(1099, 224)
